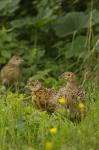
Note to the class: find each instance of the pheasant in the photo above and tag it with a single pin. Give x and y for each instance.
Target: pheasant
(11, 72)
(42, 97)
(73, 94)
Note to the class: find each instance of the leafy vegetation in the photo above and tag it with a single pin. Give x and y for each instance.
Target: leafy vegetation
(52, 37)
(63, 33)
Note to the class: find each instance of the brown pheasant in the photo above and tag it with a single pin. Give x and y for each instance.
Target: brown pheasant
(11, 72)
(72, 85)
(41, 96)
(73, 94)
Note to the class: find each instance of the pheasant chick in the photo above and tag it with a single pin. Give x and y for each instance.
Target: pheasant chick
(42, 97)
(72, 93)
(11, 72)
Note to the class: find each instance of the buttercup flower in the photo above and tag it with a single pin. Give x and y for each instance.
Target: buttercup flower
(81, 105)
(48, 145)
(53, 130)
(61, 101)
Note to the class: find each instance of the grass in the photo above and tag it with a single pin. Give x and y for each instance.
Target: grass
(23, 127)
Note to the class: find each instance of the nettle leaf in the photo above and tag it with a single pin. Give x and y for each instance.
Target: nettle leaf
(74, 21)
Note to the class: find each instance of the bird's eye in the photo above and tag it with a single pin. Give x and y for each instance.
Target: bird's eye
(68, 75)
(17, 58)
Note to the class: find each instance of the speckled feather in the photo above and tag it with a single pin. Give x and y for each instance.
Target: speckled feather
(71, 89)
(42, 97)
(73, 95)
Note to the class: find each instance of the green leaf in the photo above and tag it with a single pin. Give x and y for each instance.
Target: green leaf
(76, 48)
(74, 21)
(70, 23)
(5, 53)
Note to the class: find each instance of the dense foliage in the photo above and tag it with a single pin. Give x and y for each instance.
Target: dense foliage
(51, 36)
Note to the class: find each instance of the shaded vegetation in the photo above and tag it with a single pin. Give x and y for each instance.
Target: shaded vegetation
(49, 34)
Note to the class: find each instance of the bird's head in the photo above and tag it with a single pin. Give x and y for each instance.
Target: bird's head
(16, 60)
(69, 76)
(33, 85)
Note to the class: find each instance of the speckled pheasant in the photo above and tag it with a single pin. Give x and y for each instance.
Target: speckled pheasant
(41, 96)
(11, 72)
(72, 93)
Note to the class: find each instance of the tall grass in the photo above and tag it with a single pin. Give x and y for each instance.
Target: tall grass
(22, 127)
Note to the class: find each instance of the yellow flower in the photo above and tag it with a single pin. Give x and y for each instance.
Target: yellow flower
(53, 130)
(48, 145)
(81, 105)
(61, 101)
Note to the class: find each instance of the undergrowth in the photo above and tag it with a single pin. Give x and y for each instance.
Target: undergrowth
(22, 127)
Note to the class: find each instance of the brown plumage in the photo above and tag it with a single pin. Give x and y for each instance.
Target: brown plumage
(41, 96)
(73, 94)
(11, 72)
